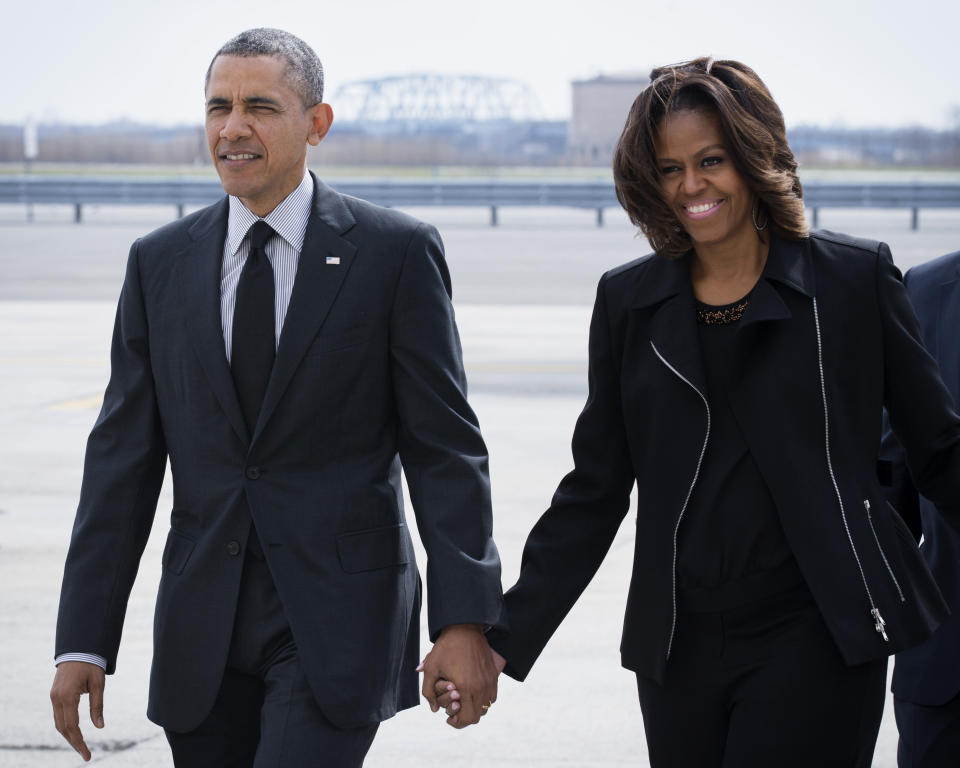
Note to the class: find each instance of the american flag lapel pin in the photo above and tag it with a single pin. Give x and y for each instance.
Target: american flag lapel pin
(335, 260)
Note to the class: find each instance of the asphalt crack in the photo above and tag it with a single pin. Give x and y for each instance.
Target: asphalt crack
(115, 745)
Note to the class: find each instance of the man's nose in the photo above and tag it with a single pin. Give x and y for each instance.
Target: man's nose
(235, 127)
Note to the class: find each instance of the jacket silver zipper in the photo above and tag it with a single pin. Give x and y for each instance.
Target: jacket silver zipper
(878, 623)
(686, 501)
(866, 506)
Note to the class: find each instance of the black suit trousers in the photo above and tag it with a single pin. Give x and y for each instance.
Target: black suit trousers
(929, 735)
(265, 714)
(760, 686)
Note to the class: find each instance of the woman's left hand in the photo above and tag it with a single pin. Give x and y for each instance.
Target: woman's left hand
(448, 696)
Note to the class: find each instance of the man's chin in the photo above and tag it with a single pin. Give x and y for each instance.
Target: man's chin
(234, 186)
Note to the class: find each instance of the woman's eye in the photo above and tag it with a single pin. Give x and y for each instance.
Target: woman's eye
(669, 169)
(708, 161)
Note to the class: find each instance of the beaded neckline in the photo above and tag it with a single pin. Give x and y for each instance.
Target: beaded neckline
(709, 314)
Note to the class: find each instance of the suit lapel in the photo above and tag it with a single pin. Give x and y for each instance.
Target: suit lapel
(948, 324)
(788, 264)
(200, 267)
(758, 327)
(673, 332)
(773, 373)
(325, 260)
(673, 326)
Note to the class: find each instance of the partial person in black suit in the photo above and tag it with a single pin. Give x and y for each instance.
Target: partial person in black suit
(287, 616)
(926, 679)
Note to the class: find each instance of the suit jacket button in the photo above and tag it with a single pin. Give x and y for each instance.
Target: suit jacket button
(253, 473)
(233, 548)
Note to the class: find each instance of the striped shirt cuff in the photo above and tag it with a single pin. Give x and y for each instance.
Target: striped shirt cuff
(90, 658)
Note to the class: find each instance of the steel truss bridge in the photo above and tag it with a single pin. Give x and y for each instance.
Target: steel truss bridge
(431, 99)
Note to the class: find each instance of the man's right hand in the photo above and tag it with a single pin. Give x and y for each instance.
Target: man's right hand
(462, 654)
(448, 697)
(73, 679)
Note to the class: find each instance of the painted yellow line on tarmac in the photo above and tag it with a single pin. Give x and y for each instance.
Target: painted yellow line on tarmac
(527, 367)
(54, 360)
(79, 404)
(84, 403)
(486, 366)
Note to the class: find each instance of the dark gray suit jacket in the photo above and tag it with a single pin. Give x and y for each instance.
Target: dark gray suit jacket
(368, 377)
(930, 673)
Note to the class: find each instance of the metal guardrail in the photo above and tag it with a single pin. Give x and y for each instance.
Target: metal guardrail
(180, 192)
(914, 196)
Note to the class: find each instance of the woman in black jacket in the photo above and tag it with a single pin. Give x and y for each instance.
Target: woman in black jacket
(738, 376)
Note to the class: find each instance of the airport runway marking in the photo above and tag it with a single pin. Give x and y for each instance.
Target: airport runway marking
(77, 404)
(95, 401)
(55, 360)
(527, 367)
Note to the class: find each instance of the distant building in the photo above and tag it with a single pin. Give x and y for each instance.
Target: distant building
(117, 142)
(874, 147)
(600, 107)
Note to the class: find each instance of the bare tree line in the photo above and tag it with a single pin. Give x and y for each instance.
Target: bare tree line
(541, 144)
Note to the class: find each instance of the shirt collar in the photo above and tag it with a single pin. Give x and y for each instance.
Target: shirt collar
(288, 219)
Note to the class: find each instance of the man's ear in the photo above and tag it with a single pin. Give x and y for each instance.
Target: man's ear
(321, 118)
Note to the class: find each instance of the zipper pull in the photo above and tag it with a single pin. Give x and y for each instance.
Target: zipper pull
(879, 623)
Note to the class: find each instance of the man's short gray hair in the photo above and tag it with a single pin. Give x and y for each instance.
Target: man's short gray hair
(304, 70)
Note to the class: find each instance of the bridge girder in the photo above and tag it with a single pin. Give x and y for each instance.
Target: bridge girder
(435, 98)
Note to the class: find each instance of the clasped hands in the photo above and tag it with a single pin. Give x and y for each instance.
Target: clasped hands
(460, 674)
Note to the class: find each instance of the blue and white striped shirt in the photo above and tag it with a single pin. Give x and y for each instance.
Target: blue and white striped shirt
(289, 221)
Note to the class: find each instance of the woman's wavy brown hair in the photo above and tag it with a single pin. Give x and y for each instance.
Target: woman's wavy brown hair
(755, 137)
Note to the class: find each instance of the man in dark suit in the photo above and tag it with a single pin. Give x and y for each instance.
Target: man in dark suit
(288, 349)
(926, 679)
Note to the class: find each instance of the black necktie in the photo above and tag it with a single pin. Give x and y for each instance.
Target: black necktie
(254, 334)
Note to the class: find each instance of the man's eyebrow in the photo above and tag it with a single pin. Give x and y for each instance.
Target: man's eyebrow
(219, 101)
(261, 100)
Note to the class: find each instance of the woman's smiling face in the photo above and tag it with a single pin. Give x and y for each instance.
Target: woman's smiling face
(709, 197)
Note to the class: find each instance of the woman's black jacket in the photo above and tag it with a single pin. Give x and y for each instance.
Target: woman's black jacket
(829, 339)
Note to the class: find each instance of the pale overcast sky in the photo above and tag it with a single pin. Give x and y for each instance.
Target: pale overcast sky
(854, 62)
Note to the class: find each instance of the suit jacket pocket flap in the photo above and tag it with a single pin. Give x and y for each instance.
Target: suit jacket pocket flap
(177, 551)
(332, 341)
(374, 548)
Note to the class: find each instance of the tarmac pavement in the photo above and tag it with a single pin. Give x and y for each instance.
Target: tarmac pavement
(524, 331)
(577, 708)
